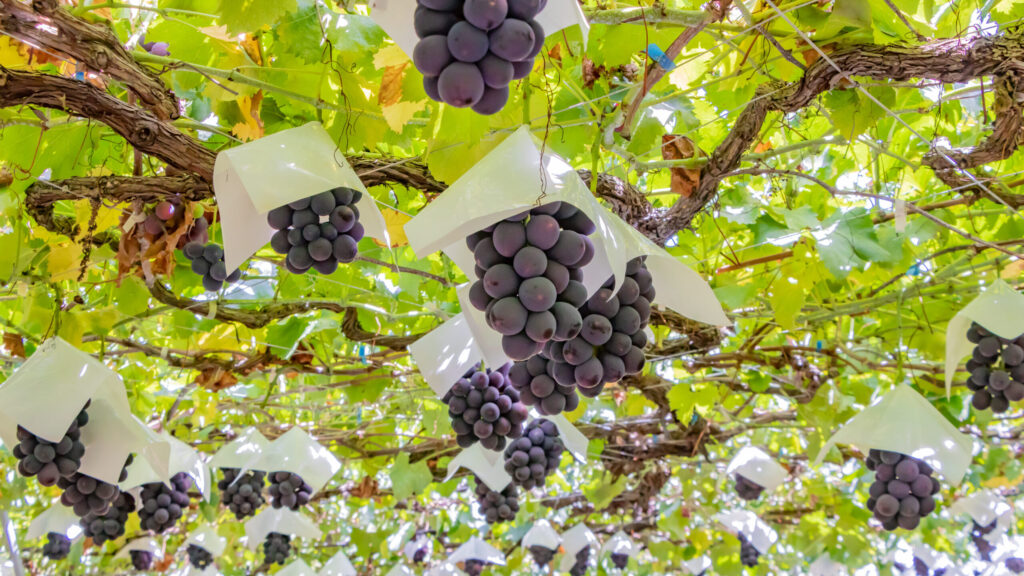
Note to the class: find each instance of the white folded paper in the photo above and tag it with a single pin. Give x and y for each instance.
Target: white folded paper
(543, 535)
(206, 537)
(620, 543)
(443, 569)
(190, 570)
(164, 457)
(338, 565)
(54, 519)
(477, 549)
(825, 566)
(297, 568)
(143, 545)
(928, 555)
(396, 18)
(253, 179)
(489, 466)
(905, 422)
(46, 393)
(243, 452)
(282, 521)
(400, 570)
(575, 539)
(297, 452)
(697, 565)
(745, 522)
(986, 507)
(999, 309)
(756, 465)
(575, 442)
(448, 352)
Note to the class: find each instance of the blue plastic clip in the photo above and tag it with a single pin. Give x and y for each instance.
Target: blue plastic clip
(359, 415)
(80, 76)
(914, 270)
(660, 57)
(362, 353)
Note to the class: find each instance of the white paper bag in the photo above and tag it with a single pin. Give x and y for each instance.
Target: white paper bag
(414, 545)
(338, 565)
(620, 543)
(825, 566)
(575, 539)
(253, 179)
(756, 465)
(543, 535)
(400, 570)
(697, 565)
(297, 452)
(489, 466)
(444, 569)
(575, 442)
(297, 568)
(243, 452)
(477, 549)
(163, 458)
(999, 309)
(396, 18)
(282, 521)
(446, 353)
(54, 519)
(143, 545)
(46, 393)
(760, 535)
(985, 507)
(206, 537)
(905, 422)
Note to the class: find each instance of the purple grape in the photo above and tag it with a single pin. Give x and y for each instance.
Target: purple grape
(493, 100)
(485, 14)
(513, 40)
(496, 71)
(467, 43)
(429, 22)
(431, 55)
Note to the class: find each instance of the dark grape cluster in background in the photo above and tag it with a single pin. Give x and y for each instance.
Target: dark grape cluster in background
(163, 505)
(142, 560)
(747, 488)
(474, 567)
(535, 380)
(318, 232)
(471, 50)
(528, 270)
(103, 528)
(1015, 565)
(243, 495)
(49, 461)
(535, 456)
(620, 560)
(749, 555)
(903, 491)
(87, 495)
(288, 490)
(610, 344)
(57, 546)
(996, 370)
(208, 262)
(542, 555)
(978, 533)
(496, 506)
(485, 407)
(276, 548)
(199, 557)
(582, 562)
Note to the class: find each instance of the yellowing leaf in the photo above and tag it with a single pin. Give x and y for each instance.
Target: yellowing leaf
(391, 85)
(999, 482)
(63, 261)
(13, 54)
(398, 116)
(106, 218)
(252, 128)
(395, 222)
(389, 56)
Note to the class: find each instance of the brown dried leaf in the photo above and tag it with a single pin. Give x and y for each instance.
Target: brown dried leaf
(391, 85)
(216, 379)
(591, 73)
(14, 344)
(684, 180)
(556, 52)
(366, 489)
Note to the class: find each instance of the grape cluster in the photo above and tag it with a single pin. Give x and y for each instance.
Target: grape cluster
(168, 216)
(978, 533)
(57, 546)
(471, 50)
(49, 461)
(997, 370)
(748, 489)
(535, 456)
(199, 557)
(1015, 565)
(620, 560)
(582, 562)
(87, 495)
(485, 407)
(242, 494)
(106, 527)
(611, 341)
(749, 555)
(474, 567)
(535, 380)
(496, 506)
(289, 490)
(163, 505)
(142, 560)
(318, 232)
(903, 491)
(529, 278)
(542, 555)
(277, 547)
(208, 262)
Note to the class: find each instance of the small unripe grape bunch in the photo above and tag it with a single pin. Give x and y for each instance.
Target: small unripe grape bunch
(474, 567)
(535, 456)
(57, 546)
(485, 407)
(582, 562)
(978, 533)
(276, 548)
(288, 490)
(996, 370)
(471, 50)
(318, 232)
(208, 262)
(610, 344)
(497, 507)
(49, 461)
(746, 488)
(749, 556)
(163, 505)
(542, 556)
(142, 560)
(529, 277)
(537, 386)
(903, 491)
(620, 560)
(167, 216)
(106, 527)
(243, 495)
(199, 557)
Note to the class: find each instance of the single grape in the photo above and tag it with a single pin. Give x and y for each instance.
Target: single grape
(432, 55)
(467, 43)
(513, 40)
(461, 84)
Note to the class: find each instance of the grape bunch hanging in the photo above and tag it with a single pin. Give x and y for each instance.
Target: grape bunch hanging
(167, 216)
(106, 527)
(535, 456)
(242, 494)
(208, 263)
(529, 278)
(288, 490)
(276, 548)
(163, 505)
(620, 560)
(471, 50)
(747, 489)
(497, 506)
(142, 560)
(610, 343)
(474, 567)
(978, 534)
(318, 232)
(749, 556)
(86, 495)
(996, 370)
(579, 568)
(542, 555)
(903, 491)
(57, 546)
(1015, 565)
(199, 557)
(536, 381)
(49, 461)
(485, 407)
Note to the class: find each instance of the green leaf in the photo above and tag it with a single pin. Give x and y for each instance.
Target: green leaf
(251, 15)
(600, 492)
(408, 479)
